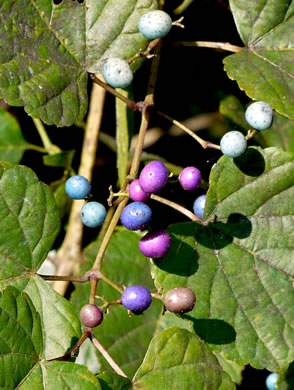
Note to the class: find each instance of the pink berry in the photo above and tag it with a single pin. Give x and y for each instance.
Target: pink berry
(190, 178)
(91, 315)
(155, 245)
(153, 177)
(136, 192)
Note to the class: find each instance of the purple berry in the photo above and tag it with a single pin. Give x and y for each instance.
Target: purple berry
(190, 178)
(155, 245)
(136, 216)
(91, 315)
(179, 300)
(136, 192)
(136, 298)
(153, 177)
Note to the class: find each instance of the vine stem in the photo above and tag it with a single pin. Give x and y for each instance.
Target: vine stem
(226, 46)
(136, 159)
(70, 254)
(48, 145)
(106, 355)
(176, 206)
(69, 278)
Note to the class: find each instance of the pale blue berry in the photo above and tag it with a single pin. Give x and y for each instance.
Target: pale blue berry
(77, 187)
(271, 381)
(233, 144)
(117, 72)
(259, 115)
(198, 206)
(93, 214)
(155, 24)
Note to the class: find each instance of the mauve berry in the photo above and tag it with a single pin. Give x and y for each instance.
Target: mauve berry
(91, 315)
(136, 298)
(136, 215)
(136, 192)
(155, 245)
(179, 300)
(153, 177)
(190, 178)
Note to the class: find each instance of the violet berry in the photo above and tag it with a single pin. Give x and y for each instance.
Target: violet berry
(136, 298)
(155, 245)
(136, 215)
(190, 178)
(136, 192)
(153, 177)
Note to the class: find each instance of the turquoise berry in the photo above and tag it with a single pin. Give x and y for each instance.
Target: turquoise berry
(271, 381)
(117, 72)
(136, 215)
(155, 24)
(93, 214)
(233, 144)
(77, 187)
(199, 205)
(259, 115)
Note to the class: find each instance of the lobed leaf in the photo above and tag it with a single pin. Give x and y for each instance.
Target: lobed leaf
(47, 49)
(239, 262)
(265, 67)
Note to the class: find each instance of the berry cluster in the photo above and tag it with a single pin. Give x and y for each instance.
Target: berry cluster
(259, 115)
(137, 215)
(92, 213)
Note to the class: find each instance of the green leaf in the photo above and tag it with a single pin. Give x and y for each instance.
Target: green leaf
(179, 359)
(29, 221)
(62, 159)
(112, 381)
(230, 367)
(264, 69)
(281, 134)
(12, 142)
(47, 49)
(124, 131)
(60, 376)
(286, 381)
(239, 262)
(20, 337)
(124, 264)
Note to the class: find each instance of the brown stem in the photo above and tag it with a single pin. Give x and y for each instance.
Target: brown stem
(94, 283)
(226, 46)
(106, 356)
(68, 278)
(176, 206)
(76, 348)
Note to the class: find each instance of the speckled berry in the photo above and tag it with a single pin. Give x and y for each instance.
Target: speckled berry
(77, 187)
(153, 177)
(271, 381)
(136, 215)
(117, 72)
(155, 24)
(199, 205)
(155, 245)
(91, 315)
(179, 300)
(136, 298)
(136, 192)
(93, 214)
(259, 115)
(190, 178)
(233, 144)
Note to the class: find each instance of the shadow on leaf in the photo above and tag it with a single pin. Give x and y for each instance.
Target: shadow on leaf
(251, 163)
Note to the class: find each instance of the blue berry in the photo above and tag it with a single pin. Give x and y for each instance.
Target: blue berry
(233, 144)
(198, 206)
(271, 381)
(93, 214)
(259, 115)
(77, 187)
(136, 298)
(117, 72)
(155, 24)
(153, 177)
(136, 215)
